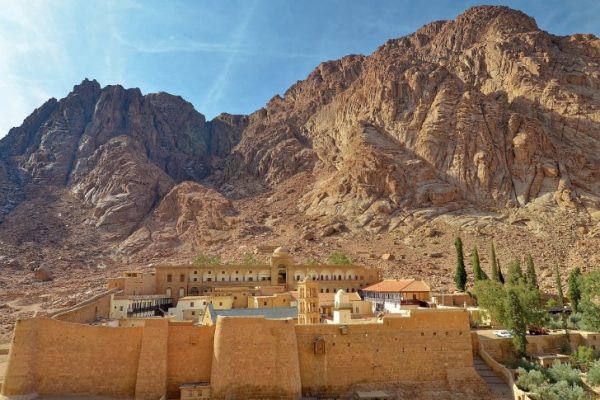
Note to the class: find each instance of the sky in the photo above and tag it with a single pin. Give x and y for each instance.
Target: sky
(222, 56)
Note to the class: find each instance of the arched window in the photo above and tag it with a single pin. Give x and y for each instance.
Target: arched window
(181, 292)
(339, 277)
(168, 292)
(169, 278)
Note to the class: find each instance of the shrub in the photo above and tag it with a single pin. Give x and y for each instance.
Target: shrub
(560, 391)
(564, 372)
(583, 357)
(593, 375)
(564, 346)
(530, 380)
(527, 365)
(338, 258)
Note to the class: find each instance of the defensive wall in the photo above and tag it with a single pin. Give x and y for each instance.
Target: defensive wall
(240, 357)
(89, 310)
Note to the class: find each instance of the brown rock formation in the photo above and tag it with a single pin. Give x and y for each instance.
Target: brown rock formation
(484, 126)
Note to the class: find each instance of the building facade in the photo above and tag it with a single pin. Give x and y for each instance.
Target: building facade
(392, 295)
(281, 274)
(122, 307)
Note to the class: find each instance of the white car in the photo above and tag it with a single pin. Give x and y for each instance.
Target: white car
(503, 334)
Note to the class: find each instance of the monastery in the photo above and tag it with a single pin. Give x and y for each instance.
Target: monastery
(282, 330)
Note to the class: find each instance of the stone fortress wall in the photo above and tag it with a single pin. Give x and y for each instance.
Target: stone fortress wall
(88, 310)
(240, 357)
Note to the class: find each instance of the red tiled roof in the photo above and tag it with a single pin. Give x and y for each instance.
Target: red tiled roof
(402, 285)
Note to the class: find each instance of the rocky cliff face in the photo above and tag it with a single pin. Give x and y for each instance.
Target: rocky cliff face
(484, 126)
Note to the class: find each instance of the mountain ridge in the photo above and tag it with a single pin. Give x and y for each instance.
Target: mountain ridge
(483, 126)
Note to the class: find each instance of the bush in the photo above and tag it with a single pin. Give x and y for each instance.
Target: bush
(530, 380)
(564, 346)
(583, 357)
(560, 391)
(527, 365)
(204, 259)
(338, 258)
(564, 372)
(593, 375)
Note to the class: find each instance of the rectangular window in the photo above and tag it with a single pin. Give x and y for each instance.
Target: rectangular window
(191, 304)
(121, 308)
(208, 279)
(181, 278)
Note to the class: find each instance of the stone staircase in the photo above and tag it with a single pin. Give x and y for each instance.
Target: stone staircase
(495, 383)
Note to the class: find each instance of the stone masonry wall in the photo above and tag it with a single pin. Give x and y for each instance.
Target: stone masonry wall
(240, 357)
(87, 311)
(55, 358)
(255, 358)
(418, 348)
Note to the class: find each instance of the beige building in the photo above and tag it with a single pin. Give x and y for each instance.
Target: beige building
(308, 302)
(192, 308)
(281, 274)
(134, 283)
(269, 301)
(122, 307)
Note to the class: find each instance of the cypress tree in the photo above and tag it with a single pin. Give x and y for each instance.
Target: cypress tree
(494, 260)
(561, 299)
(517, 321)
(575, 288)
(478, 273)
(500, 276)
(460, 275)
(515, 274)
(531, 274)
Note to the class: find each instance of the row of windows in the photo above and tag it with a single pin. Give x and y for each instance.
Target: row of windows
(223, 279)
(333, 278)
(322, 277)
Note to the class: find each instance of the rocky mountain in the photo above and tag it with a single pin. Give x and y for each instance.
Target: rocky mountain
(484, 126)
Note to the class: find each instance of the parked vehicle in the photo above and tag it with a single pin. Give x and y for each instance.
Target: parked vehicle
(503, 334)
(538, 330)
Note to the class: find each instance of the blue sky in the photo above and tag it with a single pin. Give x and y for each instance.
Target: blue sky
(223, 56)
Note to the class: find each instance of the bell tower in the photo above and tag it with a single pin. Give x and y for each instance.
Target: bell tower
(281, 262)
(308, 302)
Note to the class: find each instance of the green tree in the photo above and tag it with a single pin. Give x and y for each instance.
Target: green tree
(517, 323)
(515, 274)
(590, 293)
(500, 275)
(494, 262)
(338, 258)
(531, 274)
(561, 300)
(460, 275)
(492, 296)
(478, 273)
(574, 283)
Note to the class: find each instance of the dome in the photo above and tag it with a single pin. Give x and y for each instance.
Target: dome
(281, 251)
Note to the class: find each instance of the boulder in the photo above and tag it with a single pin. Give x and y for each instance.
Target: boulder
(41, 274)
(388, 257)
